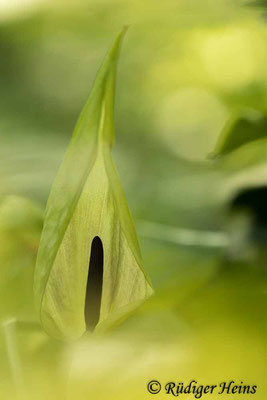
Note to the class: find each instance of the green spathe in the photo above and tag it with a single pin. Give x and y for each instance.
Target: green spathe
(86, 201)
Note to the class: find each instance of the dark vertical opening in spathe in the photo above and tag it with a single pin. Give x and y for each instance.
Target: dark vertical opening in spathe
(94, 284)
(254, 201)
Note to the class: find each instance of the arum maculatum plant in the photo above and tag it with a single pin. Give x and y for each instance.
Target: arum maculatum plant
(89, 273)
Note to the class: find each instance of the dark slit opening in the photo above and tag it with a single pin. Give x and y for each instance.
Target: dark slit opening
(94, 284)
(254, 200)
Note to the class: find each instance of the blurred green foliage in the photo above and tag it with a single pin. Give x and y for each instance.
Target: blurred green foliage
(239, 132)
(188, 69)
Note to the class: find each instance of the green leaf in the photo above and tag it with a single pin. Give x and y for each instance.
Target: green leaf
(87, 209)
(240, 131)
(243, 169)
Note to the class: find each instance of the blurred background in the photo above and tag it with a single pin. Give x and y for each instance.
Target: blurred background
(191, 151)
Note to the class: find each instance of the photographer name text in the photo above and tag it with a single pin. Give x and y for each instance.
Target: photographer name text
(198, 390)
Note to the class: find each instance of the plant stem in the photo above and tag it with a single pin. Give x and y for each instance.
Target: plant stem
(9, 328)
(183, 237)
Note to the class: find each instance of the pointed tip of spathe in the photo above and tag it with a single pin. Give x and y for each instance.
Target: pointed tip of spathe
(113, 54)
(123, 31)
